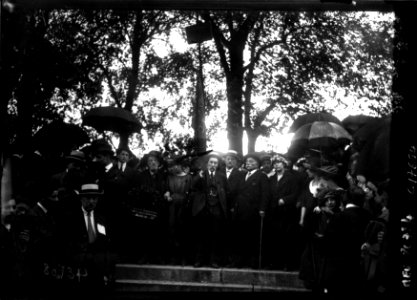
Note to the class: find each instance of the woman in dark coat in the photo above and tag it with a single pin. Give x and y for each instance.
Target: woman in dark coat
(313, 260)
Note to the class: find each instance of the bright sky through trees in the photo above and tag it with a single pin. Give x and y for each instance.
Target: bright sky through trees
(337, 100)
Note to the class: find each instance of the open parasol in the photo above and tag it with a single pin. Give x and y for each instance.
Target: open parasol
(115, 119)
(312, 117)
(321, 134)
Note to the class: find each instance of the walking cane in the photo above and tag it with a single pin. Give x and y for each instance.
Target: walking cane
(260, 241)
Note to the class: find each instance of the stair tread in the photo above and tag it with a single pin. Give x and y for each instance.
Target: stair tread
(207, 284)
(191, 268)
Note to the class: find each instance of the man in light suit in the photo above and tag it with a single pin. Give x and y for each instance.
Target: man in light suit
(248, 208)
(88, 240)
(209, 209)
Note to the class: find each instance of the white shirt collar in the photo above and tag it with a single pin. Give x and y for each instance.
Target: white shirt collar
(350, 205)
(86, 212)
(108, 167)
(122, 165)
(253, 171)
(42, 207)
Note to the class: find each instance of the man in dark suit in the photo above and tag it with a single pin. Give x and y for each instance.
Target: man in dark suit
(248, 211)
(70, 179)
(234, 175)
(111, 204)
(209, 209)
(282, 219)
(88, 240)
(127, 172)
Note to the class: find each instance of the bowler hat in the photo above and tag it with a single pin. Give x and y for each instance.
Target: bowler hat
(90, 189)
(253, 155)
(76, 155)
(154, 153)
(101, 147)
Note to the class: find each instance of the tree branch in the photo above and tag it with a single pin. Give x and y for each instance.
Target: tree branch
(112, 88)
(218, 40)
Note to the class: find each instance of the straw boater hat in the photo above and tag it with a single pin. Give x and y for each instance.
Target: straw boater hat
(232, 153)
(90, 189)
(214, 154)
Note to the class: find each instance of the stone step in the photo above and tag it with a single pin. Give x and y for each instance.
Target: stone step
(149, 277)
(136, 286)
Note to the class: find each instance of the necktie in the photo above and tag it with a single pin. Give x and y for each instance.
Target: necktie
(90, 230)
(248, 175)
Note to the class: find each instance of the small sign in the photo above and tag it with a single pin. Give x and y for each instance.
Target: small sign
(198, 33)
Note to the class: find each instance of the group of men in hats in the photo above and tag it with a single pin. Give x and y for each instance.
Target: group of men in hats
(242, 212)
(230, 211)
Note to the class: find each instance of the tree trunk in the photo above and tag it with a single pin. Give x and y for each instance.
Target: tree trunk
(124, 140)
(133, 79)
(234, 114)
(199, 105)
(252, 137)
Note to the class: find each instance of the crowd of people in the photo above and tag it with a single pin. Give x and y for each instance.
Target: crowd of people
(312, 215)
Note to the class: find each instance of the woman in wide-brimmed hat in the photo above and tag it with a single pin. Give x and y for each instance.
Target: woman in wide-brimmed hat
(177, 195)
(150, 209)
(313, 260)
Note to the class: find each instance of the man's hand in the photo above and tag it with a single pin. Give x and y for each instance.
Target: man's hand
(262, 213)
(281, 202)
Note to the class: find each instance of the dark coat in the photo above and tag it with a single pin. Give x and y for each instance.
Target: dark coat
(199, 188)
(149, 191)
(233, 183)
(46, 233)
(287, 188)
(110, 183)
(253, 196)
(343, 239)
(76, 231)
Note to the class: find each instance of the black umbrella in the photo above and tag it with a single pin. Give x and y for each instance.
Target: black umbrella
(60, 136)
(115, 119)
(312, 117)
(353, 123)
(373, 143)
